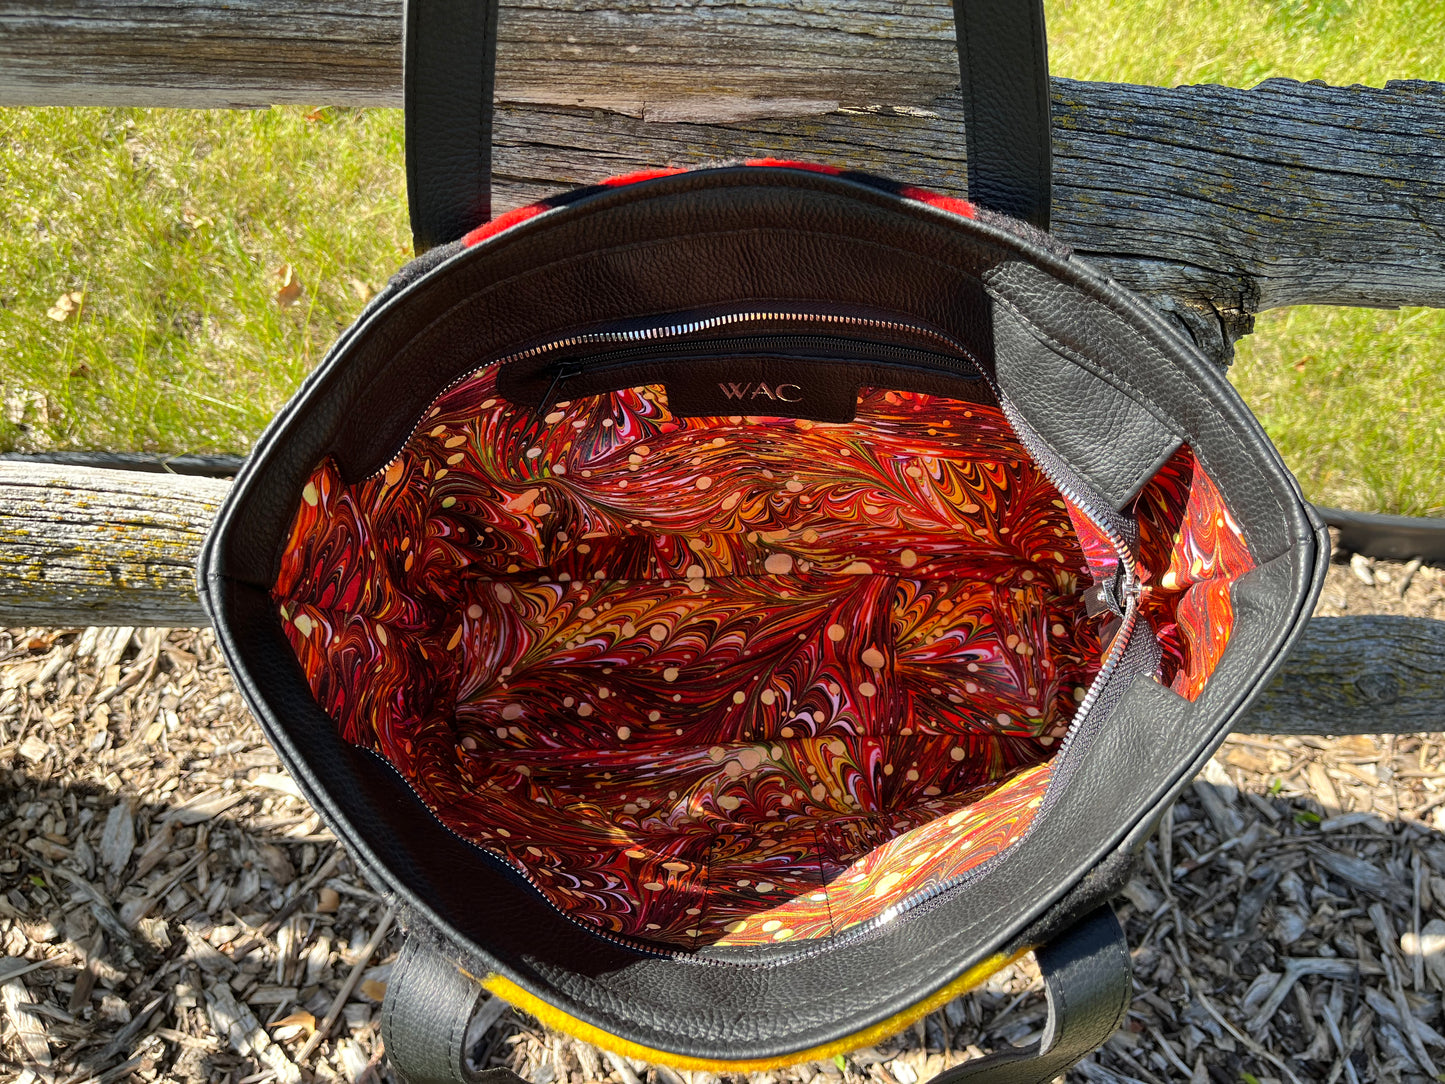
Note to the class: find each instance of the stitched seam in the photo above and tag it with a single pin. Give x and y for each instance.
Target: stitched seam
(455, 1041)
(1113, 379)
(1061, 993)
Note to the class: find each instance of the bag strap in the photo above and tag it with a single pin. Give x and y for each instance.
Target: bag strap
(450, 75)
(430, 1006)
(1089, 984)
(426, 1019)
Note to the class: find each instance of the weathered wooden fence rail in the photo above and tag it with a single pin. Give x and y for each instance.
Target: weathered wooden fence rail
(1217, 202)
(80, 546)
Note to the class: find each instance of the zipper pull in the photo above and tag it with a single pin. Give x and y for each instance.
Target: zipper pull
(1108, 596)
(564, 371)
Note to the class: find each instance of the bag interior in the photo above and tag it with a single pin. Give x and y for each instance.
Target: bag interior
(732, 679)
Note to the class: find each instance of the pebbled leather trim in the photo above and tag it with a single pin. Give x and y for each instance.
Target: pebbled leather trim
(1102, 321)
(1124, 442)
(1086, 971)
(560, 1021)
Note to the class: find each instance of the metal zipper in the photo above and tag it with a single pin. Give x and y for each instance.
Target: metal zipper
(672, 331)
(901, 357)
(1110, 524)
(526, 875)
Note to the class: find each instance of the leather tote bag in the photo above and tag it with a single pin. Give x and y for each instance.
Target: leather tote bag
(736, 610)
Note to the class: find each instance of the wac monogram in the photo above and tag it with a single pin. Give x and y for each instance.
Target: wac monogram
(787, 393)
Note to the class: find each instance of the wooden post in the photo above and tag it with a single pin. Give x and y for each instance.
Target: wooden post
(80, 546)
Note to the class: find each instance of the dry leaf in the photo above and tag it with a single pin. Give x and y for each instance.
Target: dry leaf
(327, 901)
(293, 1025)
(66, 305)
(374, 989)
(362, 291)
(288, 292)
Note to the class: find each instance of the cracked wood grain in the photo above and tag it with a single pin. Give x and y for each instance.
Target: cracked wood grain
(704, 59)
(1215, 202)
(85, 546)
(81, 546)
(1372, 674)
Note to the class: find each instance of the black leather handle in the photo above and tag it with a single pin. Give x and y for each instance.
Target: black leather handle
(426, 1020)
(1003, 58)
(450, 74)
(1089, 984)
(430, 1005)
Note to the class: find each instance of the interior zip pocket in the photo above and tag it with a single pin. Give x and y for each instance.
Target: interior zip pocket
(779, 374)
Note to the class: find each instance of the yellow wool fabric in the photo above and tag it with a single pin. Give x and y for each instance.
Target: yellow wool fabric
(558, 1020)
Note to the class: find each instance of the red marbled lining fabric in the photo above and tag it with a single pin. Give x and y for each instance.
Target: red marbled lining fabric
(691, 672)
(1191, 550)
(727, 680)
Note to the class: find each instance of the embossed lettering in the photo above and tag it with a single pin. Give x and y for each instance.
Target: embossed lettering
(788, 393)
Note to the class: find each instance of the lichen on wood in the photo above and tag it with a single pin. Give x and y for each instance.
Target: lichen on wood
(80, 546)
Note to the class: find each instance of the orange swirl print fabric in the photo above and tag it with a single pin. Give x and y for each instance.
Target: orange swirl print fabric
(1192, 550)
(725, 680)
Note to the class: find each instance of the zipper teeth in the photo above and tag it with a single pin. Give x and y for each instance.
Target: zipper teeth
(1106, 671)
(526, 875)
(928, 895)
(679, 955)
(1048, 462)
(1043, 457)
(726, 320)
(672, 331)
(1096, 688)
(603, 362)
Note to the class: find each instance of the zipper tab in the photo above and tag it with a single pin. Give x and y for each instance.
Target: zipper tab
(564, 372)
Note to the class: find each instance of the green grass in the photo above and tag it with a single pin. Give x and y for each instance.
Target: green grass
(173, 225)
(1242, 42)
(1355, 399)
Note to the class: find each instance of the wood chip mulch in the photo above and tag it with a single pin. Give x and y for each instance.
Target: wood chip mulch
(171, 910)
